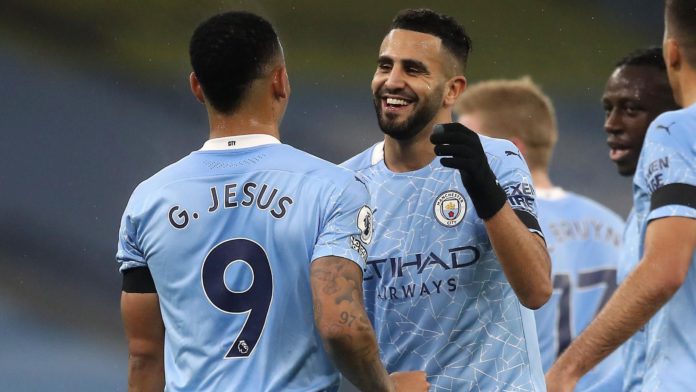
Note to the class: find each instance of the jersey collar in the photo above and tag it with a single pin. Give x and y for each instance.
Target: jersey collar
(377, 153)
(554, 193)
(237, 142)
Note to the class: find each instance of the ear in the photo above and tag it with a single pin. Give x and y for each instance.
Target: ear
(455, 87)
(519, 144)
(196, 88)
(281, 83)
(671, 53)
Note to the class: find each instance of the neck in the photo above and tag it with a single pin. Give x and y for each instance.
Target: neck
(239, 124)
(688, 98)
(541, 180)
(688, 87)
(258, 114)
(415, 153)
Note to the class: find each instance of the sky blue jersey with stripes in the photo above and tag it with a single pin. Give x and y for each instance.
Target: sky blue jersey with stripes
(434, 288)
(665, 186)
(584, 241)
(228, 234)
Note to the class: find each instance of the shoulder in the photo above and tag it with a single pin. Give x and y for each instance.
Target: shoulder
(499, 148)
(365, 159)
(152, 185)
(674, 128)
(502, 155)
(320, 168)
(322, 172)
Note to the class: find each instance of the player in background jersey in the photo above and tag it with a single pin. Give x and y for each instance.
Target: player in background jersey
(243, 258)
(457, 259)
(660, 293)
(583, 237)
(635, 94)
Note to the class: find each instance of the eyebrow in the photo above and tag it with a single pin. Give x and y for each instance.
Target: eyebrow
(406, 62)
(415, 64)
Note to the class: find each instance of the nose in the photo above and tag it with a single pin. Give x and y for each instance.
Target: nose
(612, 122)
(395, 80)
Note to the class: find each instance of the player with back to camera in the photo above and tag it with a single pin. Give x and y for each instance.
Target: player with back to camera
(659, 294)
(455, 262)
(637, 91)
(583, 236)
(241, 260)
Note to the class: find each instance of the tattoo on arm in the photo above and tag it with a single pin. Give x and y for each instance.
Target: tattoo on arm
(339, 311)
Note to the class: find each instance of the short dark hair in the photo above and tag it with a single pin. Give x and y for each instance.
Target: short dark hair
(681, 16)
(228, 52)
(651, 57)
(427, 21)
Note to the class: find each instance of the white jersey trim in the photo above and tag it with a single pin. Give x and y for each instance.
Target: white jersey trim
(554, 193)
(377, 153)
(237, 142)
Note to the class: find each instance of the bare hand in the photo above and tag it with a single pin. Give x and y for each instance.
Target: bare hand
(410, 381)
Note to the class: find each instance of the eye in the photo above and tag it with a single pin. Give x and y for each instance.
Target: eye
(632, 109)
(607, 110)
(384, 66)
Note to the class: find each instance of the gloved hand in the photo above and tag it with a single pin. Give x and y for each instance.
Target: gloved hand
(463, 151)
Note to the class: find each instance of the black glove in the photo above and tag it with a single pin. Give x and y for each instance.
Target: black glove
(463, 151)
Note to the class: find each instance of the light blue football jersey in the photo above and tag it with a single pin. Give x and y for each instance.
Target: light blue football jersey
(584, 241)
(228, 233)
(633, 350)
(434, 289)
(663, 186)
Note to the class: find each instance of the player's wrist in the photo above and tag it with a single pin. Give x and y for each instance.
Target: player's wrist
(566, 372)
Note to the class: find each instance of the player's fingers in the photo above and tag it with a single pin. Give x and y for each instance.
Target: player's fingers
(457, 162)
(456, 150)
(452, 133)
(444, 150)
(448, 138)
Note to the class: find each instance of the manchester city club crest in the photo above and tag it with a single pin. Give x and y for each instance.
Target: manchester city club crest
(450, 208)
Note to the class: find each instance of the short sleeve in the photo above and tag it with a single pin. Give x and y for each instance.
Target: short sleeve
(513, 176)
(667, 171)
(129, 254)
(347, 225)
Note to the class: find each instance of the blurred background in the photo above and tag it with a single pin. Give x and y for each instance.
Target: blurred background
(94, 99)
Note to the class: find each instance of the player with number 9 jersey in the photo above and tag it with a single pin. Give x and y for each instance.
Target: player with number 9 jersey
(228, 234)
(242, 262)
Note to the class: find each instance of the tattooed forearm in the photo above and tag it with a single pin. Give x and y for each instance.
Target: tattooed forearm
(340, 316)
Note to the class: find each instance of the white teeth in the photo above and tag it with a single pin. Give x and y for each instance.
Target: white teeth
(396, 101)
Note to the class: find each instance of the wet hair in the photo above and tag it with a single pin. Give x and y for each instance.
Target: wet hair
(681, 17)
(452, 34)
(514, 108)
(228, 52)
(651, 57)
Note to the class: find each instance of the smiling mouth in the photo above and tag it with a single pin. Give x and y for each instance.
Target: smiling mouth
(395, 104)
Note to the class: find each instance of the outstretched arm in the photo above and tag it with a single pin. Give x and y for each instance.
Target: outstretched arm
(347, 334)
(669, 248)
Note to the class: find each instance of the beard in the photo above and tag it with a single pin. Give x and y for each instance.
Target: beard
(423, 114)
